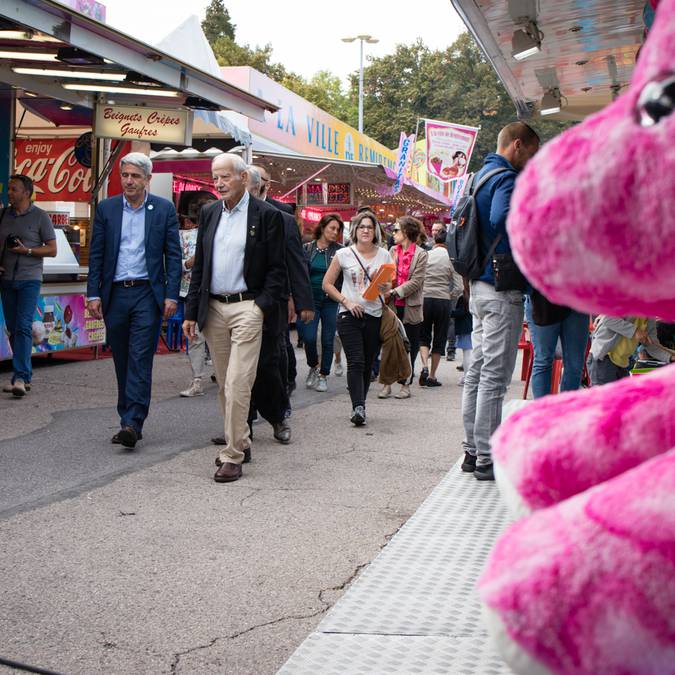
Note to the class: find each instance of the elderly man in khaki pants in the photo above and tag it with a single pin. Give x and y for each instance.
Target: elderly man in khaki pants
(238, 275)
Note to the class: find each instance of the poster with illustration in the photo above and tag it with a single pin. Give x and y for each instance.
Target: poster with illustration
(449, 148)
(60, 322)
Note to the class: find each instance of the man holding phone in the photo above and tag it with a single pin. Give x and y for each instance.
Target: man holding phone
(26, 237)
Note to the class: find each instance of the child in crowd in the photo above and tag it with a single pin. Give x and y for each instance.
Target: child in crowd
(614, 341)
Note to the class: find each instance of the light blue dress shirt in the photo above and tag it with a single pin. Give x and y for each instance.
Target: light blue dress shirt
(131, 258)
(229, 246)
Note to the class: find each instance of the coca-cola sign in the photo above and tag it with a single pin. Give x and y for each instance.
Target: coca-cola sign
(135, 123)
(56, 173)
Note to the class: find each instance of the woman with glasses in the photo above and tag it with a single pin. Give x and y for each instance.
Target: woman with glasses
(358, 322)
(320, 254)
(411, 265)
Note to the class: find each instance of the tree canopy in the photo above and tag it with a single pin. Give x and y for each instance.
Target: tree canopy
(454, 85)
(217, 23)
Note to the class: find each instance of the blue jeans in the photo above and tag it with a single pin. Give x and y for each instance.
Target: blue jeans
(497, 323)
(19, 299)
(325, 311)
(573, 335)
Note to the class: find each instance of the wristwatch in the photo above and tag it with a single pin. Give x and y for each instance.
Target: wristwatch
(29, 252)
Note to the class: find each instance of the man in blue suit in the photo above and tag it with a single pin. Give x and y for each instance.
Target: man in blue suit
(134, 280)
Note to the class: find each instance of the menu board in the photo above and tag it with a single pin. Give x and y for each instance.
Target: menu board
(339, 193)
(59, 218)
(314, 193)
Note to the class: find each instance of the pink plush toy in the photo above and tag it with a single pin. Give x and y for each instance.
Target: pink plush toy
(586, 583)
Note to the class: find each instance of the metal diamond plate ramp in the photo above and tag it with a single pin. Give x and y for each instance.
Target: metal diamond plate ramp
(327, 654)
(415, 608)
(423, 582)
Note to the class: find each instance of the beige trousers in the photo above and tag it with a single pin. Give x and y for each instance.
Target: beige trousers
(234, 334)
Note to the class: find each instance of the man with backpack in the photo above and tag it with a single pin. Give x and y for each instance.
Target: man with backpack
(479, 246)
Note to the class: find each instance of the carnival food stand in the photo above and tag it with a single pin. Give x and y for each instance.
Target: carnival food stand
(77, 95)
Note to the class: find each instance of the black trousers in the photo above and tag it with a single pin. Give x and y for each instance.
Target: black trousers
(361, 343)
(269, 395)
(291, 363)
(413, 332)
(436, 320)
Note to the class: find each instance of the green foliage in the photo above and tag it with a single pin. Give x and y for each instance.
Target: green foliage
(217, 23)
(454, 85)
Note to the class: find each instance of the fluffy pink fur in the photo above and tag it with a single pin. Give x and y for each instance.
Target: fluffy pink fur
(588, 586)
(596, 434)
(591, 221)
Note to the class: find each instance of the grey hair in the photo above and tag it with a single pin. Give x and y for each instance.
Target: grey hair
(139, 160)
(357, 221)
(254, 177)
(238, 164)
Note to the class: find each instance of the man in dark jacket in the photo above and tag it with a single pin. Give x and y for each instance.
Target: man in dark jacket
(270, 395)
(134, 280)
(238, 277)
(497, 315)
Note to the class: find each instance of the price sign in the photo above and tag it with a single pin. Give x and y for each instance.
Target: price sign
(339, 193)
(59, 219)
(314, 193)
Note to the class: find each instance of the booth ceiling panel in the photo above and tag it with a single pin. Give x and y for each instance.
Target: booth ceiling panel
(50, 110)
(588, 47)
(78, 30)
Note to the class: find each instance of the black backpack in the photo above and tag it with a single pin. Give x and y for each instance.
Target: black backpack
(464, 240)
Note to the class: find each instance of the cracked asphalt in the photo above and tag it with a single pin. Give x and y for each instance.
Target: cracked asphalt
(137, 562)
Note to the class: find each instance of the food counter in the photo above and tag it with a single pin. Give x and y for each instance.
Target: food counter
(61, 319)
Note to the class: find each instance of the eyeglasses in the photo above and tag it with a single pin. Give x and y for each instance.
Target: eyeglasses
(365, 227)
(396, 229)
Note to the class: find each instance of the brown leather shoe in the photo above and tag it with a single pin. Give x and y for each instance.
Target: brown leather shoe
(227, 473)
(246, 460)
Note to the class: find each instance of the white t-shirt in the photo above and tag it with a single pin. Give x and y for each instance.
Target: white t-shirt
(355, 281)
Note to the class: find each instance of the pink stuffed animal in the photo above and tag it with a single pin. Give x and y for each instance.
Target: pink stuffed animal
(587, 584)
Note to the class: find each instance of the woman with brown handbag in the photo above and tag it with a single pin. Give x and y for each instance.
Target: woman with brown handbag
(358, 322)
(406, 296)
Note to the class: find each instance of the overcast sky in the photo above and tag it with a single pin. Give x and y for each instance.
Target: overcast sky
(305, 35)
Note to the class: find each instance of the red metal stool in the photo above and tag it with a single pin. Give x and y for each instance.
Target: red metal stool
(556, 375)
(528, 353)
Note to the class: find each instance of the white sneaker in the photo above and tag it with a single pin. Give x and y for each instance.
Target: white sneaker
(19, 388)
(385, 392)
(339, 370)
(322, 384)
(196, 388)
(312, 378)
(9, 388)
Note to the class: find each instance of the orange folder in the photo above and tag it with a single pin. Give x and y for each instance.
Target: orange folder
(383, 275)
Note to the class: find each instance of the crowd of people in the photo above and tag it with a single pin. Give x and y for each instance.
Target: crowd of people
(238, 274)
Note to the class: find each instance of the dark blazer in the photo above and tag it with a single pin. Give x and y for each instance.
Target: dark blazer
(162, 249)
(298, 283)
(282, 206)
(264, 258)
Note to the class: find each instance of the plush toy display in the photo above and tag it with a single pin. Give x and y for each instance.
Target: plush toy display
(585, 584)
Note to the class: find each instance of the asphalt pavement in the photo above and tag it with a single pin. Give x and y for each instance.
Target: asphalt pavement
(137, 562)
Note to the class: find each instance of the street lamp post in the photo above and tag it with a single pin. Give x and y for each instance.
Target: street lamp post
(370, 40)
